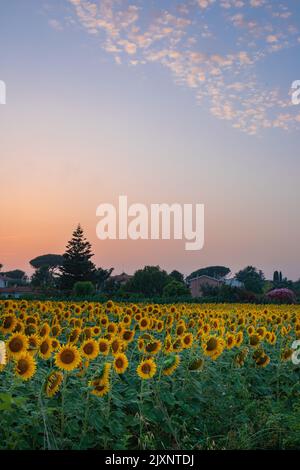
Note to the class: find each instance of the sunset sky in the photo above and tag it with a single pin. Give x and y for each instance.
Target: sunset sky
(163, 101)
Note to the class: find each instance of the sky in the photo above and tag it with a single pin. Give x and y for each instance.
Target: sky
(163, 101)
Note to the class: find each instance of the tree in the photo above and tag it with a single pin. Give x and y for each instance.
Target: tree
(280, 282)
(252, 279)
(16, 277)
(282, 296)
(77, 265)
(217, 272)
(102, 276)
(46, 270)
(52, 261)
(83, 289)
(177, 276)
(176, 289)
(149, 281)
(17, 274)
(42, 277)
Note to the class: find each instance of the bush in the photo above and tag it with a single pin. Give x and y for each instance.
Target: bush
(281, 296)
(83, 288)
(175, 289)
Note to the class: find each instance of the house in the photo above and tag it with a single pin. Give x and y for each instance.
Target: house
(197, 283)
(121, 278)
(3, 281)
(16, 292)
(233, 282)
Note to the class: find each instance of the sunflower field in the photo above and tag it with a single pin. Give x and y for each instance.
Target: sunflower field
(135, 376)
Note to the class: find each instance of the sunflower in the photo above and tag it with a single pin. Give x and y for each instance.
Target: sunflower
(230, 341)
(187, 340)
(17, 345)
(144, 324)
(30, 329)
(177, 345)
(239, 338)
(262, 360)
(68, 357)
(180, 330)
(168, 344)
(90, 349)
(112, 328)
(196, 364)
(254, 340)
(56, 330)
(19, 328)
(213, 346)
(128, 335)
(261, 332)
(55, 344)
(116, 346)
(120, 363)
(96, 330)
(53, 383)
(44, 330)
(45, 348)
(8, 323)
(146, 369)
(100, 387)
(104, 345)
(74, 335)
(33, 343)
(153, 347)
(286, 354)
(25, 366)
(109, 305)
(170, 365)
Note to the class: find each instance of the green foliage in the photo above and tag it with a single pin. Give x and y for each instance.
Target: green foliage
(213, 271)
(52, 261)
(220, 407)
(252, 279)
(177, 276)
(83, 288)
(148, 281)
(176, 289)
(43, 277)
(102, 276)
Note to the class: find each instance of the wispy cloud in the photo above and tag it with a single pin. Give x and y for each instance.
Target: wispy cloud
(55, 24)
(222, 71)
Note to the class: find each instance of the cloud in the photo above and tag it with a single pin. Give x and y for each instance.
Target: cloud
(199, 55)
(55, 24)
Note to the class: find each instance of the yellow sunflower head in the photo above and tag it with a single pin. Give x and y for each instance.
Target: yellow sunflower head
(53, 383)
(25, 366)
(146, 369)
(68, 357)
(16, 345)
(120, 363)
(90, 349)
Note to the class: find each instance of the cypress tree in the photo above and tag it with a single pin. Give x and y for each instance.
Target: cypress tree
(77, 265)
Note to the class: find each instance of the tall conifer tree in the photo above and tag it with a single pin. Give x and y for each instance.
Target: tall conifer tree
(77, 264)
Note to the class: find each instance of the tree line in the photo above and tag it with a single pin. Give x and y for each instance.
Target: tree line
(75, 273)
